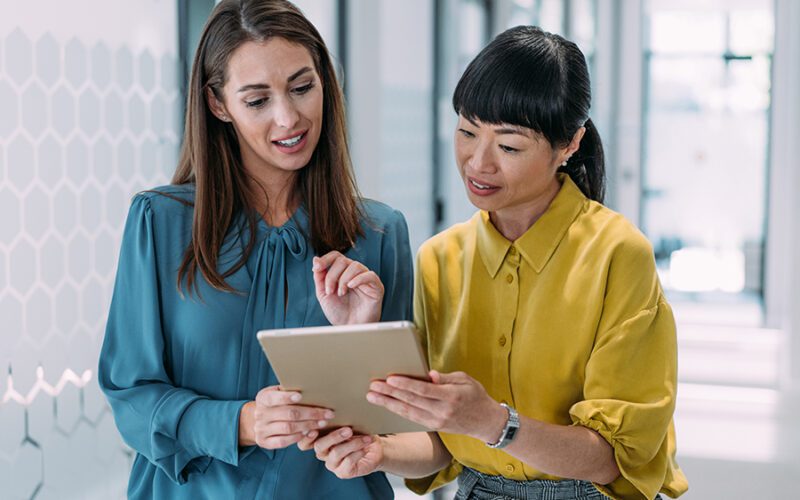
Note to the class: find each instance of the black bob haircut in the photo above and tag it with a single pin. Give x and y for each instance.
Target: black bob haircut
(534, 79)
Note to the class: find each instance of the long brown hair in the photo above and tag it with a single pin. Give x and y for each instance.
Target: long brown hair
(210, 156)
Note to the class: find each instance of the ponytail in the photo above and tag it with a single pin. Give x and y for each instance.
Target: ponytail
(586, 167)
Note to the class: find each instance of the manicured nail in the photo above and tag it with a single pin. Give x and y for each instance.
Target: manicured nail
(347, 432)
(367, 439)
(372, 398)
(329, 414)
(322, 423)
(296, 397)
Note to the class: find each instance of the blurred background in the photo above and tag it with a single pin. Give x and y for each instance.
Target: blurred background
(698, 103)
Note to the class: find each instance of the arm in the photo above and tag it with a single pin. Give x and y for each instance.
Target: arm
(176, 429)
(456, 403)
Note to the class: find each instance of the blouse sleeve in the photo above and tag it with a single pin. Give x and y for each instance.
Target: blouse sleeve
(176, 429)
(397, 270)
(630, 384)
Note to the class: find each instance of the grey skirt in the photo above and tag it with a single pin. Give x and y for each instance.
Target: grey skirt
(474, 485)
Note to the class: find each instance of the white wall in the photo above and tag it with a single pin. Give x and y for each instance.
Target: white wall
(89, 100)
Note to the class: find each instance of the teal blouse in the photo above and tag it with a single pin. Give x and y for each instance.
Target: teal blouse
(177, 369)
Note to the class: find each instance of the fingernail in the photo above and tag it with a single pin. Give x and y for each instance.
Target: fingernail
(373, 386)
(322, 423)
(296, 397)
(371, 398)
(329, 414)
(328, 290)
(341, 292)
(347, 432)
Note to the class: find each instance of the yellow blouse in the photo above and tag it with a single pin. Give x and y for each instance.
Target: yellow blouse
(568, 324)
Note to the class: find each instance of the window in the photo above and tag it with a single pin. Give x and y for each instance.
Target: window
(707, 102)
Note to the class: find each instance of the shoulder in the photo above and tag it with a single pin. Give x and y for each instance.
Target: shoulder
(610, 230)
(168, 200)
(452, 240)
(381, 217)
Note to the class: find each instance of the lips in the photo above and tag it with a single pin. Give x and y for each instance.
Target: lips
(291, 143)
(481, 188)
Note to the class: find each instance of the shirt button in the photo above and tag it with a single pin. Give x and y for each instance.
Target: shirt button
(504, 401)
(512, 251)
(510, 278)
(502, 340)
(509, 468)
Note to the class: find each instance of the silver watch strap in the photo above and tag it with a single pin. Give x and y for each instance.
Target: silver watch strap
(509, 430)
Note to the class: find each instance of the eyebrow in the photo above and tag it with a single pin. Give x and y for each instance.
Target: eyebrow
(501, 131)
(263, 86)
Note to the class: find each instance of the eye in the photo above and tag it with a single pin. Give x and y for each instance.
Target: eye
(466, 133)
(305, 88)
(257, 103)
(508, 149)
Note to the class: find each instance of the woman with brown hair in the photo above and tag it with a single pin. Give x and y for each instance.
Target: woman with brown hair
(262, 227)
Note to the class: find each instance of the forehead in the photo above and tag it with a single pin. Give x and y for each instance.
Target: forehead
(498, 128)
(272, 61)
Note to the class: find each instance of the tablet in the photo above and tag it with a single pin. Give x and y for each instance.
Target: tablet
(333, 366)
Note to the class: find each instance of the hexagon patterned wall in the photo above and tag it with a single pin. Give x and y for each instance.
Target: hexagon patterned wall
(88, 117)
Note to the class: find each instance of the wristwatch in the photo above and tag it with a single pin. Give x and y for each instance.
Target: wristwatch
(510, 429)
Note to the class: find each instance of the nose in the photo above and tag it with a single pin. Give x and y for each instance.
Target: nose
(481, 160)
(286, 115)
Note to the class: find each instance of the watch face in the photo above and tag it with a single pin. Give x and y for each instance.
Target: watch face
(510, 434)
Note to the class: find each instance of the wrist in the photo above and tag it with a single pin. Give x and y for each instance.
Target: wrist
(247, 424)
(493, 428)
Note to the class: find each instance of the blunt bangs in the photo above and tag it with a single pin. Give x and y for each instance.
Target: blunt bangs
(516, 80)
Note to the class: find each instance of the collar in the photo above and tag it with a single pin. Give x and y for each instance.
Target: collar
(540, 241)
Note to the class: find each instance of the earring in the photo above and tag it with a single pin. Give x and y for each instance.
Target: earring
(564, 163)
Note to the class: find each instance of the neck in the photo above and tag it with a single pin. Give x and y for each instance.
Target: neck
(513, 222)
(274, 197)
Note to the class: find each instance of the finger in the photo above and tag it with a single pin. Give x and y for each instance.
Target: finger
(323, 445)
(277, 442)
(319, 278)
(298, 413)
(348, 466)
(429, 404)
(368, 280)
(324, 262)
(405, 410)
(340, 453)
(307, 443)
(449, 378)
(284, 428)
(334, 273)
(420, 387)
(353, 269)
(274, 396)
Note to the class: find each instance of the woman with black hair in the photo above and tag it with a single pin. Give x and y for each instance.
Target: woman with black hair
(552, 346)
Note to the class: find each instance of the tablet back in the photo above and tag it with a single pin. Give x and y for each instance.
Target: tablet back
(333, 366)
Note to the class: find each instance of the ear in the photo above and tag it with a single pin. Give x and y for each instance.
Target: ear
(573, 145)
(217, 107)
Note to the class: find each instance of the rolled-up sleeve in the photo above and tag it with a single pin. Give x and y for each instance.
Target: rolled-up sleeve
(631, 378)
(177, 429)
